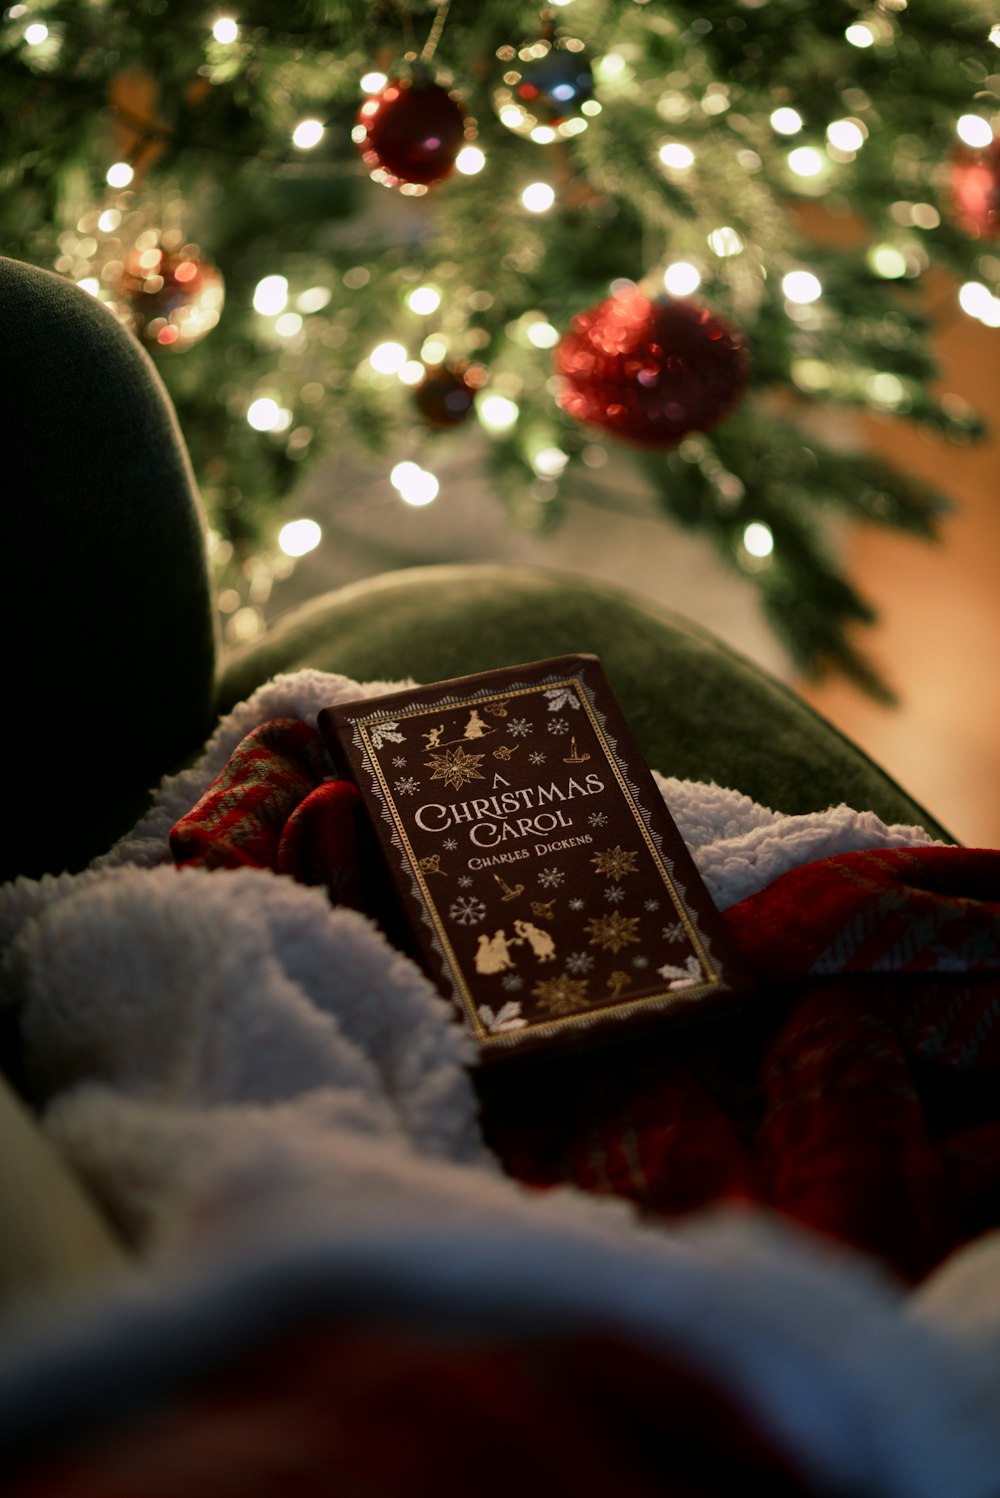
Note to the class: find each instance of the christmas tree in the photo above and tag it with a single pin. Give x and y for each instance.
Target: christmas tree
(685, 230)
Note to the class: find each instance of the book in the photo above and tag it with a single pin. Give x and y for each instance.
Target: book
(544, 887)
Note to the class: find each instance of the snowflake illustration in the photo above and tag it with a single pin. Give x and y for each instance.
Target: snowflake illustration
(561, 995)
(640, 962)
(673, 932)
(612, 932)
(407, 786)
(383, 731)
(579, 962)
(651, 905)
(614, 894)
(538, 758)
(551, 878)
(576, 903)
(597, 819)
(508, 1017)
(455, 767)
(615, 862)
(399, 762)
(681, 977)
(449, 845)
(561, 697)
(519, 727)
(512, 982)
(558, 725)
(467, 911)
(465, 882)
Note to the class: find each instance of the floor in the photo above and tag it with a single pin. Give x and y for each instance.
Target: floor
(939, 632)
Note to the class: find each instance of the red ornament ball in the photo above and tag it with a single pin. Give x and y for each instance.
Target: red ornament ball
(445, 395)
(410, 133)
(975, 191)
(650, 372)
(169, 297)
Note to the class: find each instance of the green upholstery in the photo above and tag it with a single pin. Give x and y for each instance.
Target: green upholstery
(107, 603)
(698, 710)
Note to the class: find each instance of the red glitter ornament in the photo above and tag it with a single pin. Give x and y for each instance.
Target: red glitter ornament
(650, 371)
(975, 191)
(410, 133)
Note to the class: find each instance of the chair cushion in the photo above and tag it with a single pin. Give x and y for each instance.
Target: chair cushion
(698, 709)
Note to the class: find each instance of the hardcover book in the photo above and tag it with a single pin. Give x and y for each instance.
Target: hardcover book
(545, 887)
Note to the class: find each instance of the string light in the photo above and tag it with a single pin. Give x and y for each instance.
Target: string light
(314, 299)
(801, 287)
(549, 462)
(415, 485)
(36, 34)
(288, 325)
(299, 537)
(541, 333)
(860, 35)
(677, 156)
(725, 241)
(119, 174)
(387, 358)
(497, 413)
(538, 197)
(887, 260)
(373, 83)
(469, 161)
(271, 296)
(974, 130)
(264, 414)
(681, 278)
(225, 30)
(424, 300)
(978, 301)
(846, 135)
(786, 121)
(804, 161)
(307, 134)
(411, 373)
(758, 539)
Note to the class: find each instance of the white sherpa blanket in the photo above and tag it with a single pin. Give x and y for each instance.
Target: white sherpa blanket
(274, 1105)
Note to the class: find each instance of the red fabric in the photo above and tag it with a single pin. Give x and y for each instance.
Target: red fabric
(858, 1092)
(391, 1413)
(271, 808)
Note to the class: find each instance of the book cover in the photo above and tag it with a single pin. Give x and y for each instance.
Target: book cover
(544, 884)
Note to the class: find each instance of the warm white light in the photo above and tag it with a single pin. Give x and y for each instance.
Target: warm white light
(314, 299)
(887, 260)
(91, 284)
(542, 334)
(801, 286)
(786, 121)
(373, 83)
(549, 462)
(119, 174)
(974, 130)
(497, 413)
(758, 539)
(424, 300)
(885, 388)
(288, 325)
(678, 156)
(308, 133)
(36, 33)
(846, 135)
(434, 350)
(979, 302)
(264, 414)
(725, 241)
(415, 485)
(225, 29)
(109, 220)
(542, 135)
(469, 161)
(298, 537)
(538, 197)
(860, 35)
(611, 65)
(681, 278)
(387, 358)
(271, 296)
(805, 162)
(411, 373)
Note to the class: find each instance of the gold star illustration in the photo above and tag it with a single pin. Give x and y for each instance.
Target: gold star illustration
(561, 995)
(615, 863)
(455, 767)
(612, 932)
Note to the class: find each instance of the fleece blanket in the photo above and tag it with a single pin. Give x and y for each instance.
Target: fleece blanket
(279, 1114)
